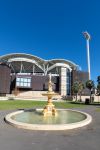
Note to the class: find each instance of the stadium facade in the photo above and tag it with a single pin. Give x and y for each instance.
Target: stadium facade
(25, 72)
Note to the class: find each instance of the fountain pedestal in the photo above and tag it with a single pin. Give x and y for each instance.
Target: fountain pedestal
(49, 109)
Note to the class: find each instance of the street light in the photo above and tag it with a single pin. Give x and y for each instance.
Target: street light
(87, 37)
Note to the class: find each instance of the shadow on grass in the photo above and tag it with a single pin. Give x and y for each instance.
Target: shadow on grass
(83, 103)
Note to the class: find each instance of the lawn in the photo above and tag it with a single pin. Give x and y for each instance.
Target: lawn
(20, 104)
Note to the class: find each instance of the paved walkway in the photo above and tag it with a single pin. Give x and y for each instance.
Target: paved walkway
(86, 138)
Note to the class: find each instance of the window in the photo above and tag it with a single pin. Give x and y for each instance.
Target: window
(68, 84)
(23, 82)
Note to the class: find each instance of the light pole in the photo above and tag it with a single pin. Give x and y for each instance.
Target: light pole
(87, 37)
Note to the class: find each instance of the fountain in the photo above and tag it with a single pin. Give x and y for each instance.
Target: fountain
(48, 118)
(49, 109)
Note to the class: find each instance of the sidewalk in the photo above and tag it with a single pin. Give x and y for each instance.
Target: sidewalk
(85, 138)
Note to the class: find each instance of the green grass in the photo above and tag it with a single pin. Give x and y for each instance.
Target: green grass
(98, 109)
(20, 104)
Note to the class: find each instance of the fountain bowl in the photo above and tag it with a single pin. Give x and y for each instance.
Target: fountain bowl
(46, 123)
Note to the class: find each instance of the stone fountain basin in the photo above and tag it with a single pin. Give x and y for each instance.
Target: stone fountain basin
(65, 126)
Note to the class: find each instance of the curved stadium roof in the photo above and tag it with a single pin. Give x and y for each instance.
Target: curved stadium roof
(28, 58)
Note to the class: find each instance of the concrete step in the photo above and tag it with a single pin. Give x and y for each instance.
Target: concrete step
(36, 95)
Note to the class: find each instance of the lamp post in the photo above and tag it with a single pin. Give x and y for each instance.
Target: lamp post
(87, 37)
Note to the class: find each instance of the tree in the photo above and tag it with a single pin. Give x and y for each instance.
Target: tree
(81, 87)
(98, 91)
(75, 88)
(90, 86)
(98, 79)
(98, 87)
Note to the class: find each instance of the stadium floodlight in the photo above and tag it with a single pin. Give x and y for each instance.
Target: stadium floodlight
(87, 37)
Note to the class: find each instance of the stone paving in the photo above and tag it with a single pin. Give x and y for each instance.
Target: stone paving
(85, 138)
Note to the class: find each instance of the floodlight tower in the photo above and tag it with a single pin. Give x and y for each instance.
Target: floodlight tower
(88, 37)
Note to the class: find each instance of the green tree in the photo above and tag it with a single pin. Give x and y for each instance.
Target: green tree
(98, 87)
(90, 86)
(81, 87)
(98, 79)
(75, 88)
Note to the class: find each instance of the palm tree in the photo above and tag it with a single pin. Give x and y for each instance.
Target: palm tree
(90, 86)
(75, 88)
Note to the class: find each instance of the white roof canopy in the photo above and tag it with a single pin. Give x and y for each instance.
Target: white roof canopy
(30, 63)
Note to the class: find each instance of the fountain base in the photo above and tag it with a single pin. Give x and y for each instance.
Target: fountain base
(49, 110)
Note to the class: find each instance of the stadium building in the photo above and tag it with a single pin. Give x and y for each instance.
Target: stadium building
(21, 72)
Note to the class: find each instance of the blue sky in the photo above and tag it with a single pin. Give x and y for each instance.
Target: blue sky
(52, 29)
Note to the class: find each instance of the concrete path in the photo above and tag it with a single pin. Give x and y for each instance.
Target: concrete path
(86, 138)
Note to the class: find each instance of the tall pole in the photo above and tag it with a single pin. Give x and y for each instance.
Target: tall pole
(87, 37)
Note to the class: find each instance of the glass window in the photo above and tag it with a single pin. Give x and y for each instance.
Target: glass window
(25, 79)
(22, 79)
(28, 80)
(17, 84)
(23, 82)
(68, 84)
(18, 79)
(28, 84)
